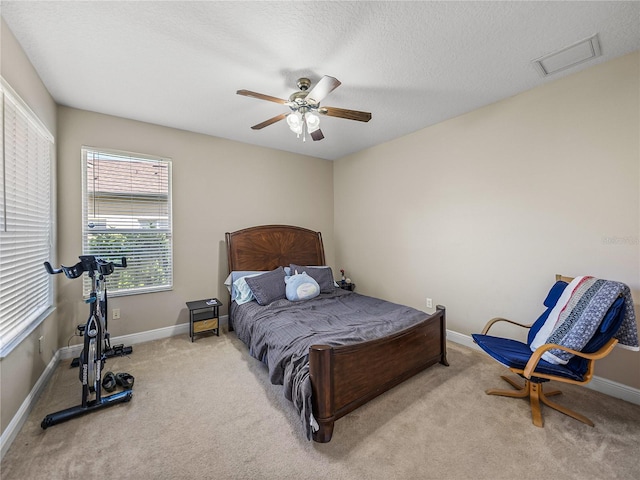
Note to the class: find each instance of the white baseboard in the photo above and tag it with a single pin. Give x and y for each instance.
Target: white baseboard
(602, 385)
(9, 434)
(131, 339)
(462, 339)
(141, 337)
(65, 353)
(615, 389)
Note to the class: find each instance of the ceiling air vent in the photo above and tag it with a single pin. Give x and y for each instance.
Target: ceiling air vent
(568, 57)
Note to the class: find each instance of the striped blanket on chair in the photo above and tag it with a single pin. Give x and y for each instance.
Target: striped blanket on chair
(578, 315)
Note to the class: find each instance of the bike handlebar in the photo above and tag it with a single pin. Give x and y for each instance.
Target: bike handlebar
(87, 263)
(51, 270)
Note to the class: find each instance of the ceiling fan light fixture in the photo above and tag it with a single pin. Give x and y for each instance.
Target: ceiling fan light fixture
(294, 120)
(313, 122)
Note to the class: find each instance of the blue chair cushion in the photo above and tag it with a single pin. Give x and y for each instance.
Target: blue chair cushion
(514, 354)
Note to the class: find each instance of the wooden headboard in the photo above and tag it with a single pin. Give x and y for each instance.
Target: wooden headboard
(269, 246)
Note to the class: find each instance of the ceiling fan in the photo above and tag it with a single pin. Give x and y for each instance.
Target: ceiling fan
(305, 105)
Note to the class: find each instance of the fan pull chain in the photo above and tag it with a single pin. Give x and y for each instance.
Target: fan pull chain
(304, 128)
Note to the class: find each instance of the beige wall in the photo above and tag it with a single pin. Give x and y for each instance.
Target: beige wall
(479, 212)
(218, 186)
(20, 370)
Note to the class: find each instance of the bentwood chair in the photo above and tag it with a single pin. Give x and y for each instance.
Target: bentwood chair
(518, 357)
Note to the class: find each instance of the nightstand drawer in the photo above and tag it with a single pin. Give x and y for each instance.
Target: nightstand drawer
(203, 325)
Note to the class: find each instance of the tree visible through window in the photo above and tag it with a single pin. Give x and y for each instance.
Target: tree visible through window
(127, 213)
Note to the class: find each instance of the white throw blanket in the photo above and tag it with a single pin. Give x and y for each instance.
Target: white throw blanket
(578, 314)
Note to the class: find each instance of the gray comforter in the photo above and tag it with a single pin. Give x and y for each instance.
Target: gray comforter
(281, 333)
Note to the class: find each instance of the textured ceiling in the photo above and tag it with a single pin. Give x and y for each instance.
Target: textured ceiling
(411, 64)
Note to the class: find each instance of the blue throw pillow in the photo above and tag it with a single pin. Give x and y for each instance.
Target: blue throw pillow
(301, 287)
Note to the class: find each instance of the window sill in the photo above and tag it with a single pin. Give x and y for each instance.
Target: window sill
(9, 347)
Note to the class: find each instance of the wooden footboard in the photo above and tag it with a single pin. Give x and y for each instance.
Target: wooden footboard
(346, 377)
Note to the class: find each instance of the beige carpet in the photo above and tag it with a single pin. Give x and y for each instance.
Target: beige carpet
(206, 410)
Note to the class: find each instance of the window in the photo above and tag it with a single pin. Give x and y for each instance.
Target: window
(127, 213)
(26, 225)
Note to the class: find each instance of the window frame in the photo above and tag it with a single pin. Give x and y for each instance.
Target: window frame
(44, 295)
(131, 156)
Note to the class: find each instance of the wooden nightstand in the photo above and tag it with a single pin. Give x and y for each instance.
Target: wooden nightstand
(204, 316)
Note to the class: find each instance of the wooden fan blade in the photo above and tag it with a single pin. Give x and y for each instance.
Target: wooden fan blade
(324, 87)
(317, 135)
(344, 113)
(271, 121)
(261, 96)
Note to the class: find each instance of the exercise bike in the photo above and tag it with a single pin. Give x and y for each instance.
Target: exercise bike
(96, 337)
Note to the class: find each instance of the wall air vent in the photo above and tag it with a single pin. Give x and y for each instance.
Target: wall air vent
(568, 57)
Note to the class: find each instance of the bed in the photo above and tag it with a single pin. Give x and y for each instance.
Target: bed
(339, 377)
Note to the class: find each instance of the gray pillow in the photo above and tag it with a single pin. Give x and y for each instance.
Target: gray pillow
(322, 275)
(268, 287)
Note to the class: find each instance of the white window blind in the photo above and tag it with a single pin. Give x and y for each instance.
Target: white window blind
(26, 225)
(127, 213)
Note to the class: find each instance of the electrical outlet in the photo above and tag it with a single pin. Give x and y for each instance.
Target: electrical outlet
(429, 303)
(115, 313)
